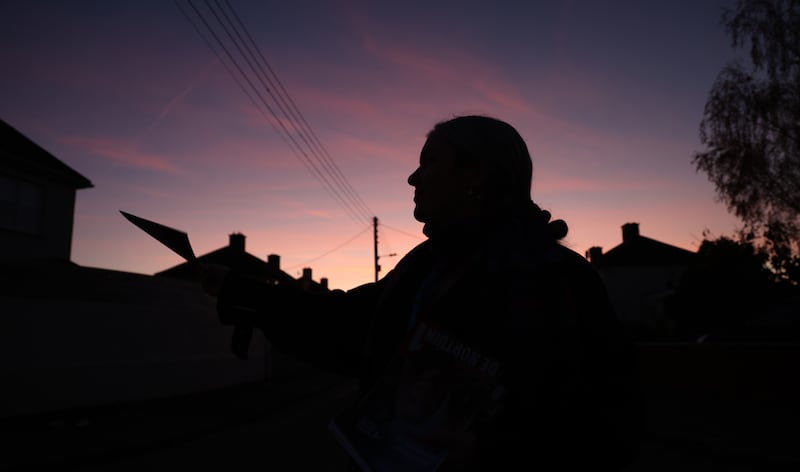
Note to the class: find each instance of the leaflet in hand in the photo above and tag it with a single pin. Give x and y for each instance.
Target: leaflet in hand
(176, 240)
(436, 389)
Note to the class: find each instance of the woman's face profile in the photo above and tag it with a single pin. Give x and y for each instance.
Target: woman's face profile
(441, 188)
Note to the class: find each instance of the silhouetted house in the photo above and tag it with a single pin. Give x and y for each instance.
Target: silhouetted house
(236, 257)
(641, 274)
(37, 199)
(309, 284)
(76, 337)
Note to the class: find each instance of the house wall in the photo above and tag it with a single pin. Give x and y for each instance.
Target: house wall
(725, 396)
(36, 218)
(639, 293)
(94, 337)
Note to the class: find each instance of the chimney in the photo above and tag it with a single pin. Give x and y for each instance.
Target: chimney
(274, 262)
(306, 274)
(236, 242)
(630, 232)
(324, 282)
(595, 254)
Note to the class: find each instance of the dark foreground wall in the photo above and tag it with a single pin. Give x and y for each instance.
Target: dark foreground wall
(73, 337)
(732, 397)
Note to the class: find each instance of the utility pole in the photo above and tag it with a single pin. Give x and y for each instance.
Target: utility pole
(375, 245)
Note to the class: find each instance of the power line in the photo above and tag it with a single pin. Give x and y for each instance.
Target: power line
(230, 71)
(297, 148)
(402, 232)
(276, 96)
(299, 135)
(293, 108)
(327, 173)
(232, 74)
(331, 250)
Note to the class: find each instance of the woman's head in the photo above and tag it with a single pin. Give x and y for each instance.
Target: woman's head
(471, 165)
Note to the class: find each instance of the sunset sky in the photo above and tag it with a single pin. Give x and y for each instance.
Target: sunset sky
(608, 96)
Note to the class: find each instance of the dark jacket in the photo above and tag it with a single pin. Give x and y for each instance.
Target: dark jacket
(509, 295)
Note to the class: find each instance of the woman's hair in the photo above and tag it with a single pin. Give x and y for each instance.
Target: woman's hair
(501, 155)
(497, 149)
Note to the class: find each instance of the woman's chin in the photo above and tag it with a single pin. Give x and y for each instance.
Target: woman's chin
(419, 215)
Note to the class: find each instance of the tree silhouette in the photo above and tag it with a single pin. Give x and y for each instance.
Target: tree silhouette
(726, 286)
(751, 129)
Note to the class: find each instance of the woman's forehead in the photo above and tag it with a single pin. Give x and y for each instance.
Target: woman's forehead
(436, 146)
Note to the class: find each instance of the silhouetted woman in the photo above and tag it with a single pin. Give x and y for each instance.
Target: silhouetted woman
(497, 343)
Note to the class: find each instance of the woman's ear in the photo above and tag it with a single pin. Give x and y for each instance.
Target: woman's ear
(472, 179)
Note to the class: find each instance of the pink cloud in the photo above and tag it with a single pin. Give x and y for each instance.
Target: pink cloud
(502, 94)
(409, 76)
(455, 72)
(269, 154)
(548, 182)
(408, 109)
(359, 105)
(468, 83)
(408, 60)
(297, 208)
(378, 149)
(282, 119)
(122, 152)
(319, 214)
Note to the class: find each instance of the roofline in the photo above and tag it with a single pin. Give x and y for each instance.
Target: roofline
(58, 170)
(651, 240)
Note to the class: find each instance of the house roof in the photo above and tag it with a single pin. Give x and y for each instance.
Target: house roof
(57, 279)
(639, 251)
(20, 154)
(235, 259)
(644, 251)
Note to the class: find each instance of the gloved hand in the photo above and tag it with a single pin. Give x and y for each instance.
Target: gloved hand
(212, 277)
(240, 341)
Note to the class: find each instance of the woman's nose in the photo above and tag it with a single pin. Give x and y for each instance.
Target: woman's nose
(413, 178)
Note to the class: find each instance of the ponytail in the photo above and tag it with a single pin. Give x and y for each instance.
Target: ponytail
(556, 229)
